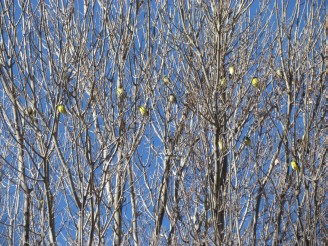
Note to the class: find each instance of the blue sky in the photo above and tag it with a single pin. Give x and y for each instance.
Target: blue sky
(65, 123)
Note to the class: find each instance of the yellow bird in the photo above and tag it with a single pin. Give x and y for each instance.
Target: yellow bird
(221, 143)
(30, 112)
(172, 98)
(294, 165)
(166, 80)
(143, 111)
(120, 91)
(255, 82)
(223, 81)
(231, 70)
(248, 142)
(279, 73)
(40, 204)
(61, 109)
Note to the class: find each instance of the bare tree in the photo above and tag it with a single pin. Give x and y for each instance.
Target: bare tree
(162, 123)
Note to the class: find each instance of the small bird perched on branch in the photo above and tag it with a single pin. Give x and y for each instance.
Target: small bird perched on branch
(279, 73)
(295, 165)
(61, 109)
(231, 70)
(172, 98)
(143, 111)
(255, 82)
(120, 91)
(221, 143)
(166, 80)
(248, 142)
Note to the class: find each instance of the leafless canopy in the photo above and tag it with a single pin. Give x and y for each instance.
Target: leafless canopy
(159, 99)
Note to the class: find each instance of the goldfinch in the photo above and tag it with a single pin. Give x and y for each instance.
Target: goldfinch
(294, 165)
(30, 112)
(223, 82)
(248, 142)
(221, 143)
(279, 73)
(120, 91)
(172, 98)
(143, 111)
(40, 204)
(61, 109)
(166, 80)
(231, 70)
(255, 82)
